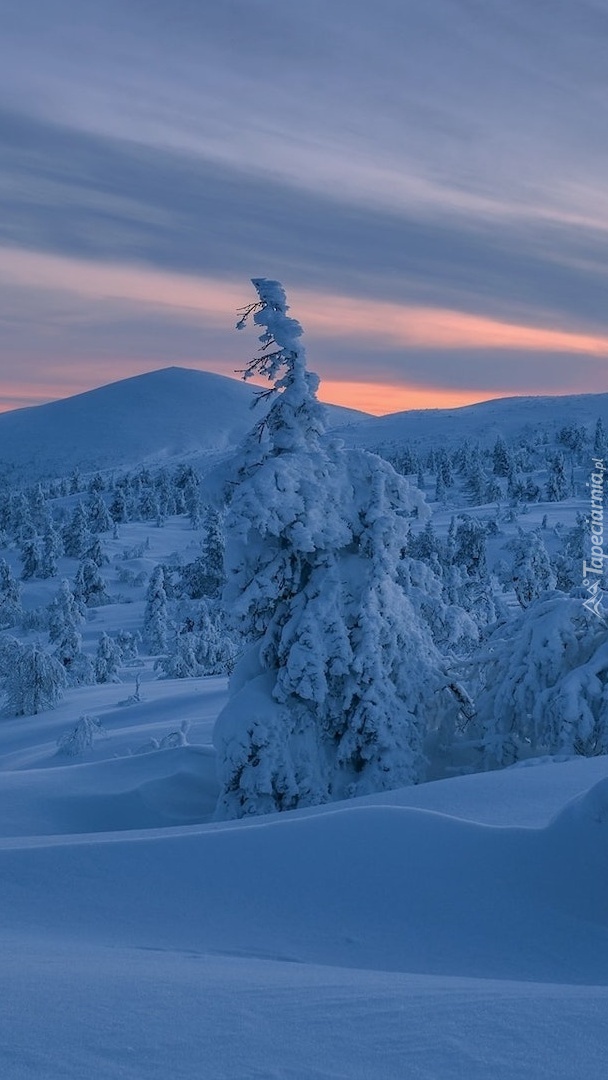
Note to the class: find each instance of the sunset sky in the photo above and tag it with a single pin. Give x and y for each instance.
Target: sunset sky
(428, 179)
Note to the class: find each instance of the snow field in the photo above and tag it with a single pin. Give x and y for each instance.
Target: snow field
(454, 929)
(464, 933)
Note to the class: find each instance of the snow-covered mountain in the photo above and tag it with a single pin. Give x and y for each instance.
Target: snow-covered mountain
(153, 417)
(178, 412)
(512, 417)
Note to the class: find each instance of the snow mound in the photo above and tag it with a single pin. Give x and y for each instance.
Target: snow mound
(376, 888)
(149, 790)
(591, 807)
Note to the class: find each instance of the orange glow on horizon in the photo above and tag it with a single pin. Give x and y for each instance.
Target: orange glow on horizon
(211, 304)
(379, 399)
(14, 397)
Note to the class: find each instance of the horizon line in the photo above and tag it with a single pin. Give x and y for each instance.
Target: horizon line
(375, 399)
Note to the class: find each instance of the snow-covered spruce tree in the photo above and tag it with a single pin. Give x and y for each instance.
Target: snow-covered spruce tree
(468, 581)
(340, 679)
(10, 597)
(64, 611)
(156, 616)
(600, 442)
(52, 549)
(65, 618)
(31, 679)
(99, 517)
(543, 684)
(500, 457)
(215, 648)
(531, 573)
(76, 534)
(38, 509)
(180, 660)
(78, 668)
(453, 630)
(213, 551)
(204, 577)
(118, 506)
(128, 644)
(557, 487)
(107, 660)
(31, 557)
(89, 586)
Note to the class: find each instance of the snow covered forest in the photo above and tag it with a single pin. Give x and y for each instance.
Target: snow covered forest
(326, 610)
(386, 618)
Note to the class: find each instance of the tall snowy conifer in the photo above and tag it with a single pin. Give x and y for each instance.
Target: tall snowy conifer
(332, 695)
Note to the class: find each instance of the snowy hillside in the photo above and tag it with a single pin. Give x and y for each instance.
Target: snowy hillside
(177, 412)
(457, 928)
(154, 417)
(513, 418)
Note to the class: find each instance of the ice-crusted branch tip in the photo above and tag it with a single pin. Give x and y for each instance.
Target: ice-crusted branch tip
(279, 339)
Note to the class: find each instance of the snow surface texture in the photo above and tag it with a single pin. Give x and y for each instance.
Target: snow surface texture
(455, 929)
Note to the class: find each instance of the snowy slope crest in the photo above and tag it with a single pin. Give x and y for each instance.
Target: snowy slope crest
(155, 417)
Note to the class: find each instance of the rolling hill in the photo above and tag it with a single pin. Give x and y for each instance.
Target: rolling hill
(178, 412)
(158, 416)
(512, 417)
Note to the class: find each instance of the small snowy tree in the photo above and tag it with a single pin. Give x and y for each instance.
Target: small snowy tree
(77, 665)
(99, 517)
(76, 534)
(128, 644)
(63, 612)
(501, 458)
(180, 661)
(89, 586)
(10, 597)
(81, 737)
(204, 577)
(52, 549)
(118, 506)
(32, 680)
(156, 616)
(31, 557)
(557, 488)
(65, 618)
(38, 510)
(542, 683)
(468, 581)
(600, 443)
(107, 660)
(531, 574)
(213, 551)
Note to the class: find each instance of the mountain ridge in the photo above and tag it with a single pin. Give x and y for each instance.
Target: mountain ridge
(172, 413)
(157, 416)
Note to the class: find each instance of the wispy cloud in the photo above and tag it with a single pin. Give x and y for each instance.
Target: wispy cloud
(325, 315)
(117, 319)
(427, 179)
